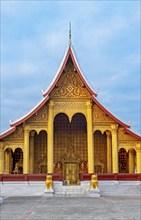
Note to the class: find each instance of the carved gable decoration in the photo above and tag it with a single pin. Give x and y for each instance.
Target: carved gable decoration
(70, 84)
(41, 115)
(100, 116)
(122, 135)
(17, 134)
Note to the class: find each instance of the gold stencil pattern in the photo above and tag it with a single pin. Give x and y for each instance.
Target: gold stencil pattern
(40, 153)
(100, 116)
(124, 136)
(41, 115)
(70, 85)
(100, 151)
(18, 134)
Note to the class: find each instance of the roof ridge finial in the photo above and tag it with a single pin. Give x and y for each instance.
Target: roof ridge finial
(70, 43)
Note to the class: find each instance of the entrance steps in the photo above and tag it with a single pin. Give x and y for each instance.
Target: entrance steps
(71, 190)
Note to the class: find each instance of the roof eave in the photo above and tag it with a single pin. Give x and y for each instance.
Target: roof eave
(58, 74)
(30, 114)
(69, 52)
(109, 114)
(8, 132)
(81, 74)
(133, 134)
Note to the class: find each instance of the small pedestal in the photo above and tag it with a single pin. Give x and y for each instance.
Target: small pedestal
(94, 192)
(49, 192)
(1, 200)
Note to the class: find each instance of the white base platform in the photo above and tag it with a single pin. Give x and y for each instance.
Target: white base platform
(107, 188)
(1, 200)
(49, 192)
(94, 192)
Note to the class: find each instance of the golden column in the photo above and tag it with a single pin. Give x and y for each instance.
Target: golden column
(31, 152)
(90, 141)
(114, 128)
(131, 161)
(50, 139)
(26, 152)
(1, 158)
(138, 156)
(109, 152)
(8, 161)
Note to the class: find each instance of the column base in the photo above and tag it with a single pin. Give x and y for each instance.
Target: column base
(49, 192)
(94, 192)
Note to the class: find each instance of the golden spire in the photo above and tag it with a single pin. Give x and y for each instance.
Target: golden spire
(70, 43)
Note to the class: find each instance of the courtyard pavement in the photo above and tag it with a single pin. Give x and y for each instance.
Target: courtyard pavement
(71, 208)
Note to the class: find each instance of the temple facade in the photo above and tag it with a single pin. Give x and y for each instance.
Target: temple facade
(69, 132)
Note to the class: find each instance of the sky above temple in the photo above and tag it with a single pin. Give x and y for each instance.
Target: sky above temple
(106, 41)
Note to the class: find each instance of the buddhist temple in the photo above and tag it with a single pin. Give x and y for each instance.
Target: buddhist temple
(69, 133)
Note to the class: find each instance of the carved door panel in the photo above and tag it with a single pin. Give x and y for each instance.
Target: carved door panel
(70, 172)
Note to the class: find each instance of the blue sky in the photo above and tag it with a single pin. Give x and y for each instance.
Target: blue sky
(106, 41)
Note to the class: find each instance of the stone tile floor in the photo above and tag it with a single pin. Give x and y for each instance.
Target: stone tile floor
(71, 208)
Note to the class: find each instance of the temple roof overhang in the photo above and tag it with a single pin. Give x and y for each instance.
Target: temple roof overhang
(68, 54)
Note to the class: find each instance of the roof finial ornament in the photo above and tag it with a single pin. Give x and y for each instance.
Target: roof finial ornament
(70, 43)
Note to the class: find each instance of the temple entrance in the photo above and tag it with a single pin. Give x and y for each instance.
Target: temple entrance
(70, 140)
(70, 173)
(70, 162)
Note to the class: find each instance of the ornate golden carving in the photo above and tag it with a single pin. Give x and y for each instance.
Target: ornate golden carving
(57, 167)
(40, 152)
(70, 162)
(100, 152)
(100, 116)
(70, 108)
(83, 167)
(76, 105)
(18, 133)
(70, 85)
(122, 135)
(41, 115)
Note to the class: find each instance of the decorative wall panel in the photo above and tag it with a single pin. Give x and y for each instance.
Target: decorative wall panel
(100, 152)
(100, 116)
(17, 134)
(68, 135)
(41, 115)
(70, 84)
(40, 153)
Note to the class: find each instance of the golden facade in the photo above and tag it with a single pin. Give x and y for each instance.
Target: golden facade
(69, 132)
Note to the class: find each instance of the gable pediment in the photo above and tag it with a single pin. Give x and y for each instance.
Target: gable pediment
(70, 84)
(100, 116)
(16, 135)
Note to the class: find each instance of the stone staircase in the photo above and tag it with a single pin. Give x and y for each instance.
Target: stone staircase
(72, 190)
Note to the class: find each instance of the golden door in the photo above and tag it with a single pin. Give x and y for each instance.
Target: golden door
(70, 173)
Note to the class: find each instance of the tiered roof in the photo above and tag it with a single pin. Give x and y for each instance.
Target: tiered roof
(68, 54)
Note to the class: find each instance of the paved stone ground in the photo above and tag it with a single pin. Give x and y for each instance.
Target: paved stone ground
(71, 208)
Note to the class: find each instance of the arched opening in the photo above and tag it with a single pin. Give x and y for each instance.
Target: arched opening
(13, 162)
(40, 152)
(123, 161)
(132, 160)
(18, 161)
(61, 134)
(70, 137)
(79, 139)
(100, 152)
